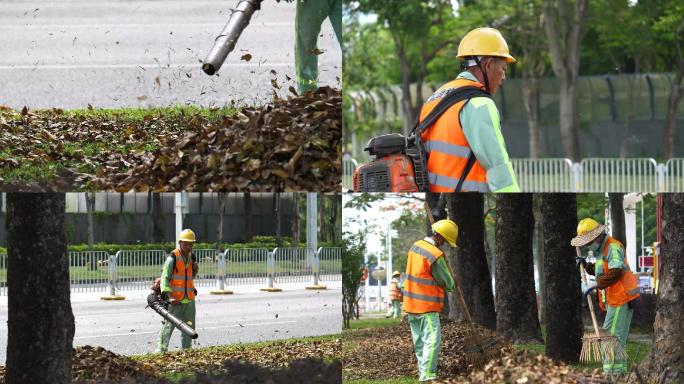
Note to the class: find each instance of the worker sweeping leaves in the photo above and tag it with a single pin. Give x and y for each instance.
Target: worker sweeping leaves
(178, 287)
(616, 284)
(465, 143)
(395, 296)
(427, 281)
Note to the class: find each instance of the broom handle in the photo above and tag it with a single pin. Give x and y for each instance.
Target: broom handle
(591, 303)
(459, 293)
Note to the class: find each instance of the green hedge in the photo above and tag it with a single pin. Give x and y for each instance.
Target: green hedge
(257, 242)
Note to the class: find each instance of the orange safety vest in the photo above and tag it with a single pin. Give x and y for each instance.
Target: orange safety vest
(446, 145)
(421, 292)
(624, 290)
(182, 283)
(395, 293)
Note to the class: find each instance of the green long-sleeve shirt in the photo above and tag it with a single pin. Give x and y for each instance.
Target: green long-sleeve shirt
(482, 128)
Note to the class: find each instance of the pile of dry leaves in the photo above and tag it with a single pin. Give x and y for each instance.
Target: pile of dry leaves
(392, 351)
(276, 354)
(521, 367)
(386, 353)
(95, 364)
(288, 144)
(313, 371)
(279, 362)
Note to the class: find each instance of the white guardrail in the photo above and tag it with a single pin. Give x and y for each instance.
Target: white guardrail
(99, 271)
(589, 175)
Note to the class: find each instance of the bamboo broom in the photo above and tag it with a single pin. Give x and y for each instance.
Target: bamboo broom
(597, 346)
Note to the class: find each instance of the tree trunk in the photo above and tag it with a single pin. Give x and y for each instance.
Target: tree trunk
(158, 219)
(90, 207)
(665, 361)
(406, 103)
(296, 232)
(531, 94)
(617, 216)
(247, 196)
(539, 257)
(516, 299)
(568, 119)
(223, 199)
(563, 28)
(469, 261)
(563, 297)
(673, 99)
(336, 218)
(40, 324)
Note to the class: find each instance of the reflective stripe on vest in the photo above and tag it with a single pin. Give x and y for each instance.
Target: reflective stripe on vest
(182, 283)
(446, 146)
(421, 292)
(627, 288)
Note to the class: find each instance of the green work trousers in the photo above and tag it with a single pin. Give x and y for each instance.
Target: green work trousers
(183, 311)
(309, 17)
(427, 338)
(396, 309)
(617, 323)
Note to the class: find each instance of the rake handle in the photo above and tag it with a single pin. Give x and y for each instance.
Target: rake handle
(458, 292)
(589, 301)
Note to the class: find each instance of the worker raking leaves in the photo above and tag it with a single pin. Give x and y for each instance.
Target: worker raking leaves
(178, 287)
(427, 281)
(616, 284)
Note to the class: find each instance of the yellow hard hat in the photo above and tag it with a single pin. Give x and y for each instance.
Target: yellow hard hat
(187, 235)
(448, 229)
(396, 273)
(484, 42)
(588, 230)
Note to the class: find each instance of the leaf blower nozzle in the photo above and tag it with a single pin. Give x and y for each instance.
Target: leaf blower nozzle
(225, 42)
(158, 305)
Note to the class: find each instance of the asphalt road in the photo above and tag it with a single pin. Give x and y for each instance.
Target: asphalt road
(104, 53)
(126, 327)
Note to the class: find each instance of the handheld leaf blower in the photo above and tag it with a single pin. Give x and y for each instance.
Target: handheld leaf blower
(225, 42)
(161, 306)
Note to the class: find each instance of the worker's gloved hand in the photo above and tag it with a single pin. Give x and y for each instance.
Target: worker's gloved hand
(587, 291)
(580, 261)
(195, 269)
(165, 296)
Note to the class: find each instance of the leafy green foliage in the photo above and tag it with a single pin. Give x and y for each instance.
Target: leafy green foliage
(353, 251)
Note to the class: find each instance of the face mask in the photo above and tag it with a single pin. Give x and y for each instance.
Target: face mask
(594, 247)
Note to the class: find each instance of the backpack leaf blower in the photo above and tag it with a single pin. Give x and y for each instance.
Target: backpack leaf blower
(400, 163)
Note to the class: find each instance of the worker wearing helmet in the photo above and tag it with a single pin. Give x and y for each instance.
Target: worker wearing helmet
(617, 285)
(469, 132)
(178, 287)
(395, 296)
(427, 281)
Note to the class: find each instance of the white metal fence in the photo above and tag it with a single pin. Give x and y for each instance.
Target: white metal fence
(331, 268)
(292, 265)
(135, 270)
(541, 175)
(673, 172)
(619, 175)
(589, 175)
(348, 167)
